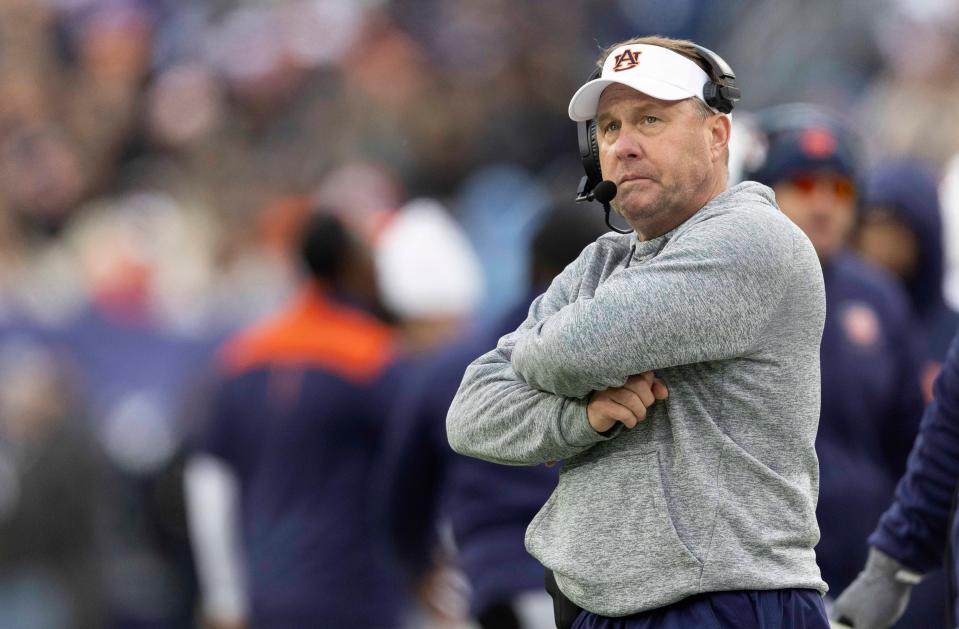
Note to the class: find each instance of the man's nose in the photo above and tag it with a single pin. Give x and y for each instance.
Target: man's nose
(628, 145)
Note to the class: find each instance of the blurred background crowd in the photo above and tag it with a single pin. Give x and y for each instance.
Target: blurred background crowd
(160, 158)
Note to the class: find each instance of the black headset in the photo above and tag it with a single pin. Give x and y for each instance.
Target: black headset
(720, 93)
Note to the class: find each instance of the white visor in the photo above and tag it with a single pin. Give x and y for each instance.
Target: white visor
(652, 70)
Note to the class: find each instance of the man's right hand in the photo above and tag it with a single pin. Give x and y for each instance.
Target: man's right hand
(626, 404)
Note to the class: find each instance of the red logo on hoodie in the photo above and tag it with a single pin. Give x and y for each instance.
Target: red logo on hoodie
(861, 325)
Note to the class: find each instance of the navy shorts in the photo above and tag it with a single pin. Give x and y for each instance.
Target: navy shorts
(746, 609)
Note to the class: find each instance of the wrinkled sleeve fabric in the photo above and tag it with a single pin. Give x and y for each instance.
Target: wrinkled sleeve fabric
(914, 529)
(498, 417)
(704, 297)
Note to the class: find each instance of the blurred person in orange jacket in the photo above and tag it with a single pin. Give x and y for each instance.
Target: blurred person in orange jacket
(277, 490)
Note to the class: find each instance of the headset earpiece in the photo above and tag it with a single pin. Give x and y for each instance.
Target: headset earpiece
(721, 92)
(588, 152)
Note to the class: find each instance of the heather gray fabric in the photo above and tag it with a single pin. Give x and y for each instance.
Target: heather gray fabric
(717, 489)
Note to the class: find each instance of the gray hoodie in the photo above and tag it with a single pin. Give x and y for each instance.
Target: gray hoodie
(717, 489)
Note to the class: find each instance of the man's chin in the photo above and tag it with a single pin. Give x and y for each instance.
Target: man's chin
(638, 206)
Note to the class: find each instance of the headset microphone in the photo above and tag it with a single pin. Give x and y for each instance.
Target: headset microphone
(604, 192)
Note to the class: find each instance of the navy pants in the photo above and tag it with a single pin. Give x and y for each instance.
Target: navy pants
(747, 609)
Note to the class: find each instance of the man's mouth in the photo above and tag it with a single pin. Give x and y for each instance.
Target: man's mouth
(629, 178)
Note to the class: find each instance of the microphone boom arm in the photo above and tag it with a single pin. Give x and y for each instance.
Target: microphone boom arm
(604, 192)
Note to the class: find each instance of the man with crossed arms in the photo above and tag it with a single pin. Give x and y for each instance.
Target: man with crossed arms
(698, 511)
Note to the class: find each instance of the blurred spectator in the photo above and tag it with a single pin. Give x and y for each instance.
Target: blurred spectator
(784, 51)
(278, 491)
(487, 506)
(364, 195)
(139, 338)
(499, 207)
(185, 106)
(137, 377)
(901, 231)
(871, 354)
(42, 176)
(428, 274)
(50, 494)
(919, 40)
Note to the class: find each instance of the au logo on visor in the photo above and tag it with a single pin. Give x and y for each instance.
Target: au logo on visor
(627, 59)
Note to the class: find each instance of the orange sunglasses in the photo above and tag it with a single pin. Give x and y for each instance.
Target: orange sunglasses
(842, 187)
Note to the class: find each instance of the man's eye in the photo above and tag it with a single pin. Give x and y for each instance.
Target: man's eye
(650, 119)
(611, 126)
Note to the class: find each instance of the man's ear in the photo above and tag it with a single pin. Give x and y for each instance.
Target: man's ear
(719, 128)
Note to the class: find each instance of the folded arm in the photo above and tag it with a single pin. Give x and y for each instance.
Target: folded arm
(703, 298)
(498, 417)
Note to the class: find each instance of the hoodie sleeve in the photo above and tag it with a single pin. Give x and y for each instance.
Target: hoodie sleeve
(497, 416)
(705, 297)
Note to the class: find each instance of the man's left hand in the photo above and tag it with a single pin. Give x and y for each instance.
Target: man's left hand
(626, 404)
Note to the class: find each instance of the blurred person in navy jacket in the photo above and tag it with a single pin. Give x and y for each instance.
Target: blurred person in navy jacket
(902, 232)
(486, 506)
(278, 493)
(911, 537)
(870, 354)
